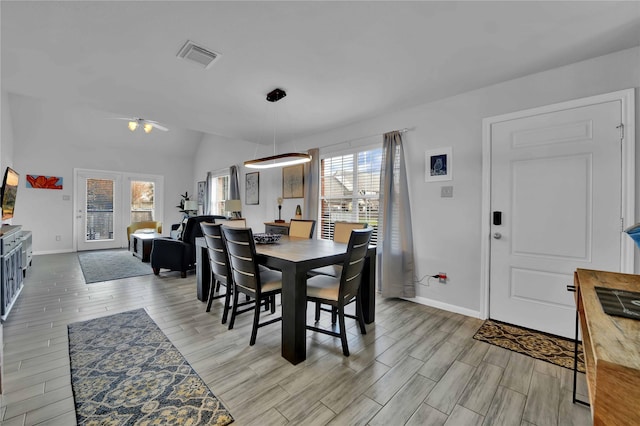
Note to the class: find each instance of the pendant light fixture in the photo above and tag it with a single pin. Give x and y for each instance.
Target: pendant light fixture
(279, 160)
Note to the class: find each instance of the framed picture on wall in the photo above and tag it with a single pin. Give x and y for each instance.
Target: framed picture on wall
(252, 188)
(202, 185)
(293, 181)
(438, 165)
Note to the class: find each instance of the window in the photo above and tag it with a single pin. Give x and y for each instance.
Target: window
(142, 201)
(350, 189)
(218, 191)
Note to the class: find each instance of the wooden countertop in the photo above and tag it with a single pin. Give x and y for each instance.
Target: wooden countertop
(611, 348)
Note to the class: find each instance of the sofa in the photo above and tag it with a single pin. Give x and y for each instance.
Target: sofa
(179, 254)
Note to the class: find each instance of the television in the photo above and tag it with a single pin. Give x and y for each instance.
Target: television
(9, 191)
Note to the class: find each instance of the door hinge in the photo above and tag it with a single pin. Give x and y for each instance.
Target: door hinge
(621, 127)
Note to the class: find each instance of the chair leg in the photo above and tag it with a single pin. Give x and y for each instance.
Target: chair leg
(360, 316)
(273, 304)
(334, 314)
(256, 321)
(227, 301)
(234, 310)
(210, 301)
(317, 311)
(183, 274)
(343, 332)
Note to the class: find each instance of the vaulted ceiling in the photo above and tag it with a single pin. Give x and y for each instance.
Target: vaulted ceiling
(339, 62)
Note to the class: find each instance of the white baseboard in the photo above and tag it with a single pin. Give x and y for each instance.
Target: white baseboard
(36, 253)
(445, 306)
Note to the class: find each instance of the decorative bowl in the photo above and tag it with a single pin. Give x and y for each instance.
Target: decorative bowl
(266, 238)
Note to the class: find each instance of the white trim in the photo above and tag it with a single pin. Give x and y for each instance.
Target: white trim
(627, 99)
(42, 252)
(444, 306)
(122, 204)
(369, 146)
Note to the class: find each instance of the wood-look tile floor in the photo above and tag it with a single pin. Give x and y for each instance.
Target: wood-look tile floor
(416, 365)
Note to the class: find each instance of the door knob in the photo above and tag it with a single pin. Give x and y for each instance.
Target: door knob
(497, 235)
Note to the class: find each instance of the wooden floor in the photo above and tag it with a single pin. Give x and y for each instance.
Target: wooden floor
(416, 365)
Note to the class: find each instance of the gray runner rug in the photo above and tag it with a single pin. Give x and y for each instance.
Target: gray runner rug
(107, 265)
(125, 371)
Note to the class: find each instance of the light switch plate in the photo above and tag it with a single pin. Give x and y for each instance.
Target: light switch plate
(446, 192)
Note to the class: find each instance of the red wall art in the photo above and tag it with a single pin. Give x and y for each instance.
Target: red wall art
(44, 182)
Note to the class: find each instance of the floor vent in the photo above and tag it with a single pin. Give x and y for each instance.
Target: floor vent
(198, 54)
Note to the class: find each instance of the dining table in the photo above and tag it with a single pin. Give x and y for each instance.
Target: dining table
(295, 257)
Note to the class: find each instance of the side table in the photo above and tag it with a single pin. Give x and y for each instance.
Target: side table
(140, 245)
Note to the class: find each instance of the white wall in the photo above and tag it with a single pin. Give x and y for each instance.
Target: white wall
(217, 152)
(447, 230)
(52, 139)
(6, 143)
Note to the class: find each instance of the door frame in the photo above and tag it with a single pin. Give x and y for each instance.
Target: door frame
(124, 202)
(627, 253)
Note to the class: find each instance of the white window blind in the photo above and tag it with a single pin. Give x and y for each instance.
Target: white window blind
(350, 189)
(218, 193)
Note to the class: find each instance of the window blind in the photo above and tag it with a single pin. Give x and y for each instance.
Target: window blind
(350, 190)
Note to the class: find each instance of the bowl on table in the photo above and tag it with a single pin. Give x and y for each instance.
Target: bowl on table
(266, 238)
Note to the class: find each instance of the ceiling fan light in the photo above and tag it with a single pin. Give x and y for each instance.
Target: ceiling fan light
(148, 127)
(133, 125)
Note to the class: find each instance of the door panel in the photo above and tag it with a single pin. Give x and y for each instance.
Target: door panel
(98, 211)
(556, 177)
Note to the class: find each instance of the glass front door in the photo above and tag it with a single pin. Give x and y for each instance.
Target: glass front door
(97, 211)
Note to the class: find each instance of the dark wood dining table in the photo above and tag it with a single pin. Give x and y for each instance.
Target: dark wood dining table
(295, 257)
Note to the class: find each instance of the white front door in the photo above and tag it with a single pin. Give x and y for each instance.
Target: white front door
(556, 188)
(98, 210)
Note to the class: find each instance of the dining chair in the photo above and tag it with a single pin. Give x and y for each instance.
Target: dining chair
(341, 234)
(342, 230)
(220, 268)
(249, 278)
(302, 228)
(337, 292)
(233, 223)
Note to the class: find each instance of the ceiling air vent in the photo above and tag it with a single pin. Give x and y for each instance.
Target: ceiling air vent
(198, 54)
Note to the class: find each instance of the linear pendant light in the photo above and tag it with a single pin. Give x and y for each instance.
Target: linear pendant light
(280, 160)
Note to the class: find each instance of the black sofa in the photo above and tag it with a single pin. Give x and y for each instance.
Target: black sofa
(179, 254)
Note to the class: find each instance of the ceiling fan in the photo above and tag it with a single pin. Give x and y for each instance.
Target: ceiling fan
(146, 125)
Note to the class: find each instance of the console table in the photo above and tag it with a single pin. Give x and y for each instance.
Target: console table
(277, 228)
(611, 349)
(10, 268)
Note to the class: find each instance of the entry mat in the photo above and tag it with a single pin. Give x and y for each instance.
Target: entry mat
(621, 303)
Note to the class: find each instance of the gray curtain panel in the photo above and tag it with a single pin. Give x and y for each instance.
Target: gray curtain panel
(312, 186)
(207, 193)
(234, 185)
(397, 264)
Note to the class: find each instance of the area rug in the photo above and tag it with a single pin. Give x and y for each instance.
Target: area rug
(546, 347)
(124, 371)
(107, 265)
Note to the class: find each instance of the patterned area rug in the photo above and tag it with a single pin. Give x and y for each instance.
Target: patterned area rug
(107, 265)
(124, 371)
(546, 347)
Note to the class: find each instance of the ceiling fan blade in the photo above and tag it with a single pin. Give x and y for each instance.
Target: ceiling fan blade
(157, 125)
(122, 118)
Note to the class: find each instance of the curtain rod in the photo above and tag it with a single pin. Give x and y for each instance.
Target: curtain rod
(404, 130)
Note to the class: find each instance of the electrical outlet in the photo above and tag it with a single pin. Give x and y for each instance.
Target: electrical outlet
(58, 237)
(442, 277)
